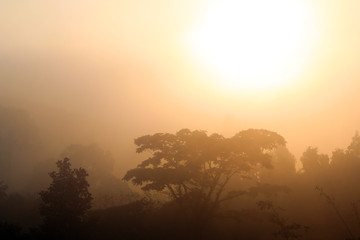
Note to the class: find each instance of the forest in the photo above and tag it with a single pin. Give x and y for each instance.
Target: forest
(190, 185)
(179, 120)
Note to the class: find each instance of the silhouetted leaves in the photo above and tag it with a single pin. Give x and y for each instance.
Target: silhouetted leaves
(66, 201)
(106, 189)
(194, 168)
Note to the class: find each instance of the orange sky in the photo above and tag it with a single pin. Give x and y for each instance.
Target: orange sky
(120, 68)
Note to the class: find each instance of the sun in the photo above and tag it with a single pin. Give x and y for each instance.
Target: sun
(254, 45)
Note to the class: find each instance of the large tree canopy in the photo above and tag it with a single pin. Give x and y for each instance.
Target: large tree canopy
(194, 164)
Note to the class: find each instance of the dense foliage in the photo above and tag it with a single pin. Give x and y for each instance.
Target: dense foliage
(66, 200)
(196, 186)
(195, 168)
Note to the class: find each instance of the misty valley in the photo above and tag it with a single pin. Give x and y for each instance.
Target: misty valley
(179, 120)
(189, 185)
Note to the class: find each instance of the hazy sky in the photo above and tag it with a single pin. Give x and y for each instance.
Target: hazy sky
(110, 71)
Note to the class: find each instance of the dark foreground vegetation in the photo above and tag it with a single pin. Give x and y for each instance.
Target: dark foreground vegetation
(191, 185)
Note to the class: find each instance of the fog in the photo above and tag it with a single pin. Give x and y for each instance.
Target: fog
(99, 74)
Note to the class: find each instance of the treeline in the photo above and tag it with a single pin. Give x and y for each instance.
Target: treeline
(191, 185)
(25, 164)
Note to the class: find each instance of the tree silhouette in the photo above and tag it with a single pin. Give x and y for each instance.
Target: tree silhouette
(313, 162)
(66, 201)
(194, 168)
(106, 189)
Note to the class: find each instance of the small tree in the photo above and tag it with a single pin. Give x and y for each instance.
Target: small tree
(66, 201)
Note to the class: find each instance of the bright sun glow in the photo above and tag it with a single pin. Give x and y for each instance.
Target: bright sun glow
(254, 45)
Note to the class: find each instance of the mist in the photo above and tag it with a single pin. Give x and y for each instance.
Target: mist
(85, 81)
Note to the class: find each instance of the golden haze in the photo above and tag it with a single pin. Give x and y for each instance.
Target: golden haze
(114, 70)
